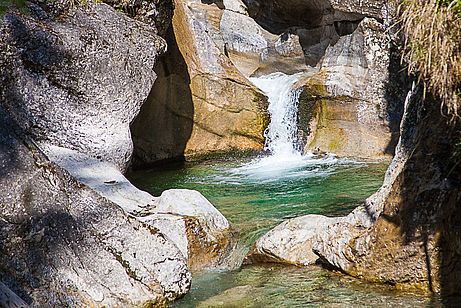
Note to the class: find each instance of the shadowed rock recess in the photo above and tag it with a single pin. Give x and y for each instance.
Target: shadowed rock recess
(352, 89)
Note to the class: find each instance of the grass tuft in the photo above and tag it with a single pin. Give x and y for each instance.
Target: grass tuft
(432, 31)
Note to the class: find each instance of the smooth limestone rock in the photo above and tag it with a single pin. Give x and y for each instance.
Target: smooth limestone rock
(201, 232)
(94, 64)
(291, 241)
(351, 103)
(103, 177)
(65, 245)
(347, 107)
(202, 103)
(407, 234)
(186, 217)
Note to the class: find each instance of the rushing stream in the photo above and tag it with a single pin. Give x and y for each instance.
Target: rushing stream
(257, 194)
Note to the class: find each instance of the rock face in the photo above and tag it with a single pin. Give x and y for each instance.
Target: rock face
(188, 219)
(94, 64)
(64, 245)
(351, 106)
(291, 241)
(203, 101)
(407, 234)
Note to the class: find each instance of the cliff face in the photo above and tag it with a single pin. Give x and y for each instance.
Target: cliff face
(201, 103)
(407, 234)
(77, 78)
(65, 245)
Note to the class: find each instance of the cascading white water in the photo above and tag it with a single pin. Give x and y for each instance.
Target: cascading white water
(286, 158)
(281, 135)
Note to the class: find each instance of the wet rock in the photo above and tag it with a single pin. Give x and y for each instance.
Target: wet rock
(65, 245)
(239, 297)
(290, 242)
(92, 63)
(346, 108)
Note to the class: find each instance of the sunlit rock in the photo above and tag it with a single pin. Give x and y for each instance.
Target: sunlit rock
(64, 244)
(352, 106)
(201, 232)
(185, 217)
(290, 242)
(202, 103)
(77, 78)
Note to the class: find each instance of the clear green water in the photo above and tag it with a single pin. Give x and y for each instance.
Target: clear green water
(255, 200)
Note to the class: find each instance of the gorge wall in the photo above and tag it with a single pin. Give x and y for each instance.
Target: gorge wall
(203, 101)
(407, 234)
(76, 78)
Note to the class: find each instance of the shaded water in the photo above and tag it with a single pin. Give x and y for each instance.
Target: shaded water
(256, 196)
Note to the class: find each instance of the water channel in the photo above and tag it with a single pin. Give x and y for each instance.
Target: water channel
(257, 193)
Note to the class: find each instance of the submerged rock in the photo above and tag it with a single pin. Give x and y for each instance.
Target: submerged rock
(290, 242)
(77, 77)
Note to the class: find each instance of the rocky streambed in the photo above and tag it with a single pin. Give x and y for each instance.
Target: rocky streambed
(255, 203)
(90, 89)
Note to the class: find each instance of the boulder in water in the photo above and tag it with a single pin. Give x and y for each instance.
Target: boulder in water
(63, 244)
(290, 242)
(186, 217)
(201, 232)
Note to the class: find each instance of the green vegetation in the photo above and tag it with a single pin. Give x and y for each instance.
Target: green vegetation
(455, 6)
(432, 31)
(5, 4)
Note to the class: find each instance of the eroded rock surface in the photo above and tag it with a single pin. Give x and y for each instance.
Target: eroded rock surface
(407, 234)
(203, 101)
(202, 233)
(65, 245)
(351, 107)
(291, 241)
(186, 217)
(77, 77)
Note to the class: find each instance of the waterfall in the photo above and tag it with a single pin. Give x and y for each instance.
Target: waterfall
(286, 159)
(281, 134)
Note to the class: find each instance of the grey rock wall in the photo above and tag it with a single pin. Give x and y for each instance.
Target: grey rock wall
(77, 77)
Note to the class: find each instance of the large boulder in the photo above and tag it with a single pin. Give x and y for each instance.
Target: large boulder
(201, 232)
(202, 104)
(65, 245)
(407, 234)
(186, 217)
(290, 242)
(77, 77)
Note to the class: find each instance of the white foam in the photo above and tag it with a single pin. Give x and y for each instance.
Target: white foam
(281, 134)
